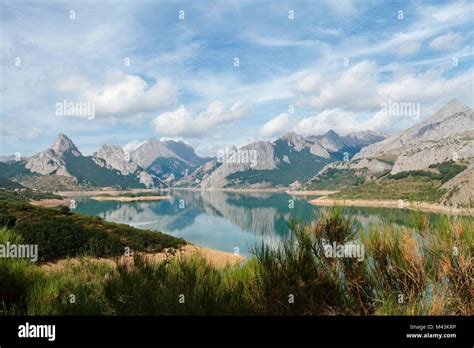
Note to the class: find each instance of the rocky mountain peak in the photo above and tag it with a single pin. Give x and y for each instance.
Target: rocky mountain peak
(331, 134)
(63, 145)
(454, 106)
(114, 157)
(294, 140)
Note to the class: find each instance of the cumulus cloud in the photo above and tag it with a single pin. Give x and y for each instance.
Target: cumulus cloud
(354, 89)
(339, 120)
(336, 98)
(121, 95)
(276, 126)
(361, 88)
(447, 41)
(184, 123)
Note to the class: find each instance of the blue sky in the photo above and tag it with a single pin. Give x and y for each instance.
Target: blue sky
(334, 63)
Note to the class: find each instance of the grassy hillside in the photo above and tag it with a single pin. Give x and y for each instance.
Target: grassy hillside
(419, 185)
(440, 171)
(87, 171)
(9, 184)
(60, 233)
(411, 188)
(416, 265)
(335, 179)
(13, 169)
(26, 195)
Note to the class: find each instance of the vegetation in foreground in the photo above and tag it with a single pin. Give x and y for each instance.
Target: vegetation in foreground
(59, 233)
(25, 195)
(425, 270)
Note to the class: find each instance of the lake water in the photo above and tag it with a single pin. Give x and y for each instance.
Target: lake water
(223, 220)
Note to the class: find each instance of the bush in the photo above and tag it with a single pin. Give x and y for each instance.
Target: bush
(424, 270)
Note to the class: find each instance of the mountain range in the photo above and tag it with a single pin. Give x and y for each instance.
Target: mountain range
(287, 161)
(447, 136)
(290, 161)
(153, 163)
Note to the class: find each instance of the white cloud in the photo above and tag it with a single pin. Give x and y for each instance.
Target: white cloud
(354, 89)
(276, 126)
(408, 49)
(447, 41)
(309, 83)
(362, 88)
(341, 121)
(429, 89)
(182, 122)
(128, 95)
(121, 95)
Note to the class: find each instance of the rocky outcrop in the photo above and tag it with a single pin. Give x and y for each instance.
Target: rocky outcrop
(47, 163)
(447, 135)
(258, 156)
(115, 157)
(332, 142)
(421, 156)
(368, 168)
(51, 161)
(281, 155)
(461, 187)
(149, 151)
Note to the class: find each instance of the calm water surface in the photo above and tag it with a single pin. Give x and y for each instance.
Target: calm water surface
(224, 220)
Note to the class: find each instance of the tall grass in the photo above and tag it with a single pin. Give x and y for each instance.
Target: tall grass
(425, 270)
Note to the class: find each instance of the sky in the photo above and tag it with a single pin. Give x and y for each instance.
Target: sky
(221, 73)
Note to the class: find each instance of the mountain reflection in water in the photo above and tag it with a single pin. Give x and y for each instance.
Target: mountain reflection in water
(222, 220)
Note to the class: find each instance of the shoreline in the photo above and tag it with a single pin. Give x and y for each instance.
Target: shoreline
(50, 202)
(130, 199)
(391, 203)
(215, 257)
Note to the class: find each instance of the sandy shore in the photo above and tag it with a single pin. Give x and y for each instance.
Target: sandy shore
(197, 189)
(130, 199)
(311, 193)
(215, 257)
(49, 203)
(422, 206)
(104, 192)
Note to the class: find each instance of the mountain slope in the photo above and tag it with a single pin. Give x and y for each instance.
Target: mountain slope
(64, 160)
(166, 159)
(443, 141)
(286, 161)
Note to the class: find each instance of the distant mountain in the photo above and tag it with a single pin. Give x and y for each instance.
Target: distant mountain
(186, 152)
(7, 158)
(445, 137)
(64, 160)
(167, 160)
(140, 164)
(286, 161)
